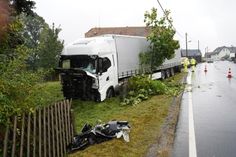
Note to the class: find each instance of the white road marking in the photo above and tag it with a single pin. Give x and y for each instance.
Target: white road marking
(192, 141)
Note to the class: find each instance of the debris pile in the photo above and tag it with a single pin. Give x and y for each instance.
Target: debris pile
(98, 134)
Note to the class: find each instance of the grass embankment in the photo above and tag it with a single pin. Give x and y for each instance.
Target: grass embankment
(47, 93)
(145, 119)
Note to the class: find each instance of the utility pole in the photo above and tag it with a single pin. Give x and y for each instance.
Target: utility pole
(186, 37)
(198, 45)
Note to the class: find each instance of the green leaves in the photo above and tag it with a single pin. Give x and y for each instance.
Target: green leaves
(49, 48)
(140, 88)
(45, 47)
(16, 84)
(161, 37)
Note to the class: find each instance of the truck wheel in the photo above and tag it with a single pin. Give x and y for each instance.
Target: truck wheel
(178, 69)
(167, 73)
(110, 93)
(163, 74)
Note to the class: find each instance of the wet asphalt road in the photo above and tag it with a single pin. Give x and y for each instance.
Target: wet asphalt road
(214, 113)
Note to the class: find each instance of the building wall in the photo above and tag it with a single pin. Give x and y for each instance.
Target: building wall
(224, 52)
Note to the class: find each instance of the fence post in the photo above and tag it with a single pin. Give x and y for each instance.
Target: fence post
(59, 128)
(34, 138)
(22, 135)
(63, 127)
(6, 141)
(14, 137)
(57, 137)
(53, 132)
(28, 135)
(40, 134)
(66, 119)
(49, 135)
(72, 122)
(69, 124)
(44, 132)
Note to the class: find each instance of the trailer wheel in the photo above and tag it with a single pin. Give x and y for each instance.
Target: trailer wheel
(110, 93)
(178, 69)
(163, 74)
(167, 73)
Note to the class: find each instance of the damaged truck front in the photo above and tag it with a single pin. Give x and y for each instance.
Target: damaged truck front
(86, 70)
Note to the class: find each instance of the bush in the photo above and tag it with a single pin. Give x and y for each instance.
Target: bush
(142, 87)
(16, 86)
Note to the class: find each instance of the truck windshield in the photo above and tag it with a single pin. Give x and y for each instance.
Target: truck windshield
(84, 62)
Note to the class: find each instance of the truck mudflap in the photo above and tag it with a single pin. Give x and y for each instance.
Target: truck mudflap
(76, 84)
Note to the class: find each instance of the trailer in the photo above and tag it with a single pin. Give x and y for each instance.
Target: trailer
(91, 68)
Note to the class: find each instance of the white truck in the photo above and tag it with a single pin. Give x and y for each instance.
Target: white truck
(91, 68)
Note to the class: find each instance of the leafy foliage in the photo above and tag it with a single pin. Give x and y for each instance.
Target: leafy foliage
(11, 40)
(49, 47)
(33, 26)
(161, 37)
(142, 87)
(22, 6)
(24, 35)
(9, 9)
(16, 84)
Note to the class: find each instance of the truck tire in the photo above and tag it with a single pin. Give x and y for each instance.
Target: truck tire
(110, 93)
(167, 73)
(178, 69)
(163, 74)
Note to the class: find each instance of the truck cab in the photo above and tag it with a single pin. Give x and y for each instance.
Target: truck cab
(88, 69)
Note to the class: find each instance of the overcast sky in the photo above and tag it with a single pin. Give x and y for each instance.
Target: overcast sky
(212, 22)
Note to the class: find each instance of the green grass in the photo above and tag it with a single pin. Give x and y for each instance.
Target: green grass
(46, 93)
(145, 119)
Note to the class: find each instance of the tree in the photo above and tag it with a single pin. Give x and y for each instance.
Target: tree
(33, 27)
(49, 48)
(161, 37)
(11, 27)
(10, 9)
(22, 6)
(11, 40)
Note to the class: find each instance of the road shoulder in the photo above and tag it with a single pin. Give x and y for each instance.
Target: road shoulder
(164, 143)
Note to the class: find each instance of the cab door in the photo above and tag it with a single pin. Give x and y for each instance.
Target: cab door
(106, 76)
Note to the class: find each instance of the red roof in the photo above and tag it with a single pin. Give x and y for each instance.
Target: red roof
(133, 31)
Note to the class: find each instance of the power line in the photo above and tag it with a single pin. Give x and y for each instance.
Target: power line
(177, 32)
(169, 20)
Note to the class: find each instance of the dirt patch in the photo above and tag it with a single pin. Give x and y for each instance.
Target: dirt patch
(164, 144)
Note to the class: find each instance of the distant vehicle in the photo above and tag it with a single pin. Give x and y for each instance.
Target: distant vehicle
(92, 68)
